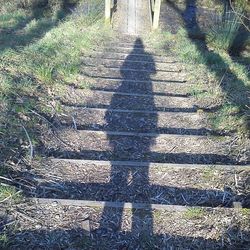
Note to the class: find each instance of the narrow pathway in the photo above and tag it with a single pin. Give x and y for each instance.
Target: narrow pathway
(134, 159)
(132, 17)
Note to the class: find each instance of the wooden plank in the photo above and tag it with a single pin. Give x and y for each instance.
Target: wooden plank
(131, 94)
(138, 134)
(131, 111)
(152, 164)
(133, 61)
(102, 204)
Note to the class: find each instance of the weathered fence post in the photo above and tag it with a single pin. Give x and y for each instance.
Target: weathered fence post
(107, 11)
(156, 16)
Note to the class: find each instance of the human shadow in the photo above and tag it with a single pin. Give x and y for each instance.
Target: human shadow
(127, 176)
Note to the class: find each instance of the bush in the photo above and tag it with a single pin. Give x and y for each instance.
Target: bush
(224, 32)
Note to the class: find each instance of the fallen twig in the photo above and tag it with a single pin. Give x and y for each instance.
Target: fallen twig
(30, 142)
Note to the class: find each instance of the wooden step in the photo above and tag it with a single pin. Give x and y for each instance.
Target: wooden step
(167, 88)
(112, 145)
(86, 227)
(112, 100)
(169, 184)
(129, 120)
(132, 57)
(147, 67)
(131, 74)
(135, 50)
(170, 61)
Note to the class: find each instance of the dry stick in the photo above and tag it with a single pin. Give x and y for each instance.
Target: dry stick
(239, 16)
(31, 145)
(58, 138)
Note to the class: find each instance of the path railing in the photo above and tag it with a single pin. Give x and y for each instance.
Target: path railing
(109, 8)
(155, 7)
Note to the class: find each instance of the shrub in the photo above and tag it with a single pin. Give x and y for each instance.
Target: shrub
(224, 32)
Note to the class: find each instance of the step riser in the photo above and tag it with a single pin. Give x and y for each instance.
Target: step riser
(150, 165)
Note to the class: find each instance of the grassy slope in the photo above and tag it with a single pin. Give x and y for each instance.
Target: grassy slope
(225, 80)
(38, 56)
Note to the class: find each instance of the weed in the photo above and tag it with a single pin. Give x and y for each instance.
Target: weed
(84, 85)
(223, 34)
(245, 212)
(194, 213)
(44, 73)
(228, 119)
(4, 240)
(208, 173)
(8, 192)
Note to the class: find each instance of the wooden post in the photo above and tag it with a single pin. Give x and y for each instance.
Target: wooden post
(157, 8)
(152, 5)
(107, 11)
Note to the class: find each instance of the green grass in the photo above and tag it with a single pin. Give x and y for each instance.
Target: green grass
(194, 213)
(217, 78)
(224, 32)
(8, 192)
(208, 173)
(4, 240)
(39, 57)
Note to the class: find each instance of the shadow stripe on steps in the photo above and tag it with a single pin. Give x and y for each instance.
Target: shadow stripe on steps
(123, 205)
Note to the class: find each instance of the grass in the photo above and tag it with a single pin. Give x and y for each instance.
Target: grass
(40, 56)
(8, 192)
(224, 32)
(194, 213)
(4, 240)
(209, 174)
(218, 80)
